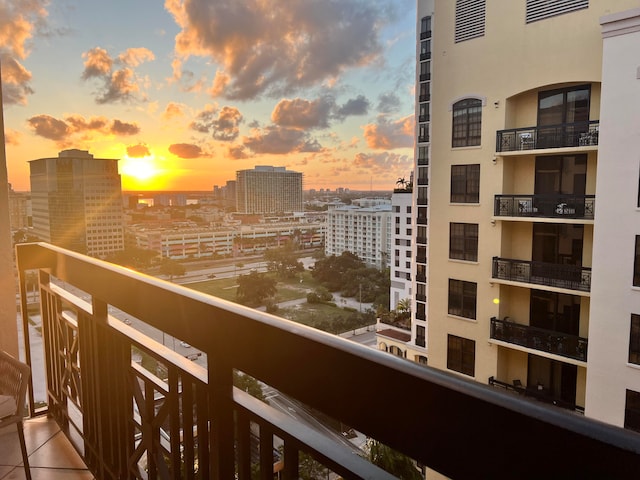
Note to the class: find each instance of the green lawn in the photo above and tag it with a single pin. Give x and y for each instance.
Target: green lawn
(289, 289)
(326, 317)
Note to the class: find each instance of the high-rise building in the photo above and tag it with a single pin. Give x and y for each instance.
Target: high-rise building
(363, 231)
(521, 113)
(267, 189)
(77, 202)
(19, 209)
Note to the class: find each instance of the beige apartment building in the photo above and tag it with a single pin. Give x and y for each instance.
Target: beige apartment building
(513, 133)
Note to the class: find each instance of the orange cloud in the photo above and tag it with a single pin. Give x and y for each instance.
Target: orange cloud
(274, 46)
(18, 20)
(12, 137)
(120, 84)
(280, 140)
(173, 110)
(76, 127)
(387, 135)
(138, 151)
(383, 163)
(186, 150)
(223, 125)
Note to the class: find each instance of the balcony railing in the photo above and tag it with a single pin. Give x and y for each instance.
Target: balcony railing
(572, 277)
(122, 397)
(545, 206)
(549, 341)
(578, 134)
(533, 392)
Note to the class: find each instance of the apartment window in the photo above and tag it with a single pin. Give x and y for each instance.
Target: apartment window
(636, 264)
(634, 340)
(541, 9)
(462, 298)
(461, 355)
(632, 411)
(463, 241)
(421, 339)
(470, 19)
(467, 122)
(425, 25)
(465, 183)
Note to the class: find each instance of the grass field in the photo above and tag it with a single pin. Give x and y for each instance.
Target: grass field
(289, 289)
(325, 316)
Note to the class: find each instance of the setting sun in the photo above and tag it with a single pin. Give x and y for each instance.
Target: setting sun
(139, 172)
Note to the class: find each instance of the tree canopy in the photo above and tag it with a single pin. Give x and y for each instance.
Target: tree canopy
(350, 276)
(255, 287)
(283, 261)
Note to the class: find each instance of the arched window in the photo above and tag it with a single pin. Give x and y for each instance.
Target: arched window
(467, 122)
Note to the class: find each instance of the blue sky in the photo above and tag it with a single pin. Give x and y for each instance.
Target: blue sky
(187, 92)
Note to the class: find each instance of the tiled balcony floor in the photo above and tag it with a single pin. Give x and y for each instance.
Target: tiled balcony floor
(51, 455)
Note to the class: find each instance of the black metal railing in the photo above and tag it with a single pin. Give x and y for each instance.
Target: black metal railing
(421, 220)
(549, 341)
(534, 391)
(136, 409)
(423, 161)
(572, 277)
(578, 134)
(545, 206)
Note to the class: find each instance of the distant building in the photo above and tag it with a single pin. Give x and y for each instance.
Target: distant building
(267, 189)
(402, 258)
(19, 209)
(77, 202)
(188, 241)
(230, 195)
(365, 232)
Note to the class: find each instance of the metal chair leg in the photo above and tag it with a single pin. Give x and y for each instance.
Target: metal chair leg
(23, 447)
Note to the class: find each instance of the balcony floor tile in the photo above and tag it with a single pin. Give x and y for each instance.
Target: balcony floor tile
(51, 455)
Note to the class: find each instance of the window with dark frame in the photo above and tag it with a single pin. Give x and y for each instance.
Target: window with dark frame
(421, 339)
(632, 411)
(462, 298)
(467, 123)
(634, 340)
(636, 264)
(465, 183)
(461, 355)
(463, 241)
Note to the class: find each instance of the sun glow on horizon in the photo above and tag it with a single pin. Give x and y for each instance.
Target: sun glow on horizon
(139, 172)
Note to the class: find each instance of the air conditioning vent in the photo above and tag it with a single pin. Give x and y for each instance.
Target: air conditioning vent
(541, 9)
(470, 19)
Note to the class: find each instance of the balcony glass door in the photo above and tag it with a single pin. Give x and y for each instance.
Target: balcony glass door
(567, 110)
(560, 175)
(552, 380)
(555, 311)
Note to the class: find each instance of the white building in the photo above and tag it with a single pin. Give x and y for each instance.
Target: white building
(267, 189)
(365, 232)
(77, 202)
(613, 365)
(532, 132)
(401, 238)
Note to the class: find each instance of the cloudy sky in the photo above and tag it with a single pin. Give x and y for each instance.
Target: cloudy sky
(188, 92)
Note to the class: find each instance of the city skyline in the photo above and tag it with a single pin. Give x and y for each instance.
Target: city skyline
(186, 93)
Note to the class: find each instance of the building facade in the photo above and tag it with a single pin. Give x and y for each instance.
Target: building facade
(187, 241)
(267, 189)
(514, 154)
(363, 231)
(77, 202)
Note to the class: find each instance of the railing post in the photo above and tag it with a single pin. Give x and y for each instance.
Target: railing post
(222, 460)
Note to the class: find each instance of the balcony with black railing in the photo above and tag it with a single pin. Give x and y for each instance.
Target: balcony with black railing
(569, 207)
(571, 277)
(549, 341)
(578, 134)
(534, 391)
(136, 409)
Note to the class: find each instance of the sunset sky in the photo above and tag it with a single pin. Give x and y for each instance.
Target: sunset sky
(188, 92)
